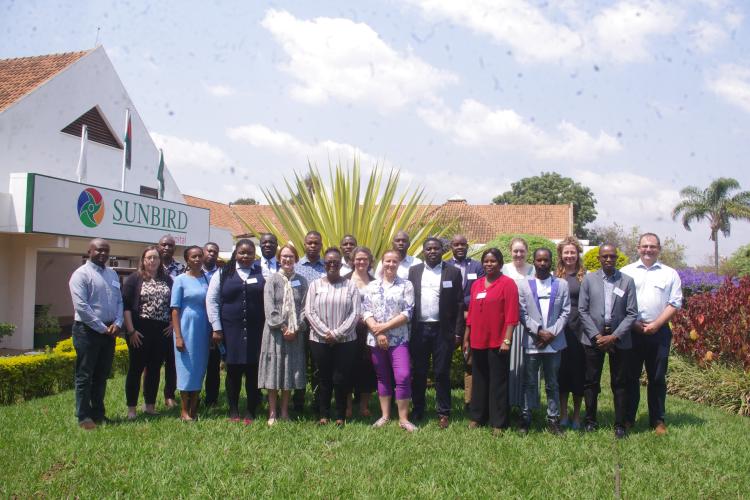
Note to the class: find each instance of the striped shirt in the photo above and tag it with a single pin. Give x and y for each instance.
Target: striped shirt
(332, 308)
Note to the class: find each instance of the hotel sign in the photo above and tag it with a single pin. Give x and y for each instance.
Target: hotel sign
(58, 206)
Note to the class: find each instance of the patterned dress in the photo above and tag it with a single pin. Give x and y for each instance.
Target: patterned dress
(282, 363)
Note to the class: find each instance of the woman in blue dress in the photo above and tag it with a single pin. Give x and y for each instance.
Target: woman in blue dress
(191, 331)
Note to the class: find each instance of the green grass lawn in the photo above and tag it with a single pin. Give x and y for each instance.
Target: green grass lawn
(43, 453)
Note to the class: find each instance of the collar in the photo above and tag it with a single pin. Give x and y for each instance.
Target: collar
(641, 265)
(438, 267)
(207, 270)
(95, 266)
(615, 276)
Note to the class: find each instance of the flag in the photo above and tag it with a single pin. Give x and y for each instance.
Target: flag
(160, 174)
(128, 143)
(81, 170)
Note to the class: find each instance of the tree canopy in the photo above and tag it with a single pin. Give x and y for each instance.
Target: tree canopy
(245, 201)
(550, 188)
(672, 252)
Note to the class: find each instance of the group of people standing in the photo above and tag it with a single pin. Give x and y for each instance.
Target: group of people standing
(363, 326)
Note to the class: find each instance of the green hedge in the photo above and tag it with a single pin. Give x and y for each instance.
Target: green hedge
(502, 243)
(32, 376)
(591, 260)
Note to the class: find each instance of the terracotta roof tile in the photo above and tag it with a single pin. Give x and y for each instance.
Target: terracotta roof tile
(220, 215)
(20, 76)
(480, 223)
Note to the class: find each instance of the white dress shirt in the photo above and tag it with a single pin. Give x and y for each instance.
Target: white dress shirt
(268, 266)
(430, 287)
(656, 287)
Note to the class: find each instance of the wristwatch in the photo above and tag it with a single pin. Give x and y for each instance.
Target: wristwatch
(506, 342)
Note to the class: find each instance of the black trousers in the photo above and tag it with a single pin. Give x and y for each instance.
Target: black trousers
(213, 376)
(170, 372)
(149, 357)
(653, 352)
(426, 341)
(335, 364)
(489, 388)
(619, 362)
(94, 355)
(233, 384)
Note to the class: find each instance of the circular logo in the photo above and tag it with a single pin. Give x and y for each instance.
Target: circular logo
(90, 207)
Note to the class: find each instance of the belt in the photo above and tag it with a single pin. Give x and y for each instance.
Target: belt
(81, 323)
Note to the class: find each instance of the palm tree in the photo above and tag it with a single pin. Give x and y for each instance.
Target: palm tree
(373, 214)
(715, 204)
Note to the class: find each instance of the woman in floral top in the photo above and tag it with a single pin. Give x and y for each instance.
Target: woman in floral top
(387, 309)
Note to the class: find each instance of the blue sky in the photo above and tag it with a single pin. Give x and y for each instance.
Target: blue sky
(635, 99)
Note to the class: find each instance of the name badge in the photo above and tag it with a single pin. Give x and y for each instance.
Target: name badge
(251, 281)
(481, 295)
(619, 292)
(116, 284)
(471, 276)
(447, 284)
(295, 283)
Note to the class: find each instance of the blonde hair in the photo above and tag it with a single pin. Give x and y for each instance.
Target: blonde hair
(580, 271)
(518, 240)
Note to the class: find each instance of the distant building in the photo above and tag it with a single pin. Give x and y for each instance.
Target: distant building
(480, 223)
(46, 216)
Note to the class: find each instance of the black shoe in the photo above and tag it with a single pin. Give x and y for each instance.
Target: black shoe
(620, 432)
(416, 415)
(553, 426)
(590, 427)
(523, 429)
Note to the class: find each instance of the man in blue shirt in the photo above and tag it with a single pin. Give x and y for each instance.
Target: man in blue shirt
(97, 304)
(174, 269)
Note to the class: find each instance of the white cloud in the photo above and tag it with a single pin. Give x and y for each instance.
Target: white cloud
(620, 33)
(336, 58)
(732, 82)
(641, 199)
(319, 152)
(707, 36)
(475, 124)
(219, 90)
(203, 170)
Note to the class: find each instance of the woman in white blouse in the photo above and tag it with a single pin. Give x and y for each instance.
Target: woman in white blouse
(387, 309)
(517, 269)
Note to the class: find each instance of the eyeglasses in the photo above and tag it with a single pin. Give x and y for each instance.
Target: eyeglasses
(332, 263)
(608, 257)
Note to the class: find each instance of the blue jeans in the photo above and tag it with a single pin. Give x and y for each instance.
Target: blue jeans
(551, 364)
(94, 355)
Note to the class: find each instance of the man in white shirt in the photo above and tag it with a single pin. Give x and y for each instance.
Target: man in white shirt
(544, 306)
(268, 245)
(435, 329)
(659, 293)
(401, 244)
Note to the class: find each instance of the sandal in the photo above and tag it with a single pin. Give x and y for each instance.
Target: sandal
(381, 422)
(407, 426)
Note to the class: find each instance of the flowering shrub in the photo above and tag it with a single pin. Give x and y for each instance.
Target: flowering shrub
(591, 260)
(716, 326)
(695, 282)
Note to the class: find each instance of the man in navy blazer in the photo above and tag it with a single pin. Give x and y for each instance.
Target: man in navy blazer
(471, 270)
(608, 308)
(545, 305)
(436, 320)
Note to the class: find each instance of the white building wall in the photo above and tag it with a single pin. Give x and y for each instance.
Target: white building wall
(31, 141)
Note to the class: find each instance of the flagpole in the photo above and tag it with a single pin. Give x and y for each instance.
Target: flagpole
(126, 149)
(82, 160)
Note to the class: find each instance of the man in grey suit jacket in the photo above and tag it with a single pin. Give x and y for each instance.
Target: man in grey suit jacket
(608, 308)
(545, 306)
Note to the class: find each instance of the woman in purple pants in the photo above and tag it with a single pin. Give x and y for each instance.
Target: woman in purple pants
(387, 309)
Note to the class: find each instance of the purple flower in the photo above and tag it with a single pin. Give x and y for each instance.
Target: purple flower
(695, 282)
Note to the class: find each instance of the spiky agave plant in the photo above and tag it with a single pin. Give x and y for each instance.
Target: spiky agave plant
(373, 216)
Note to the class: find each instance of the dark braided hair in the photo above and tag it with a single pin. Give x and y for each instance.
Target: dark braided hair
(231, 267)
